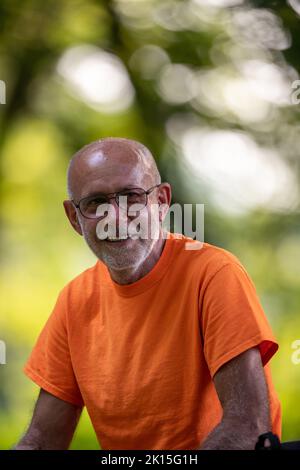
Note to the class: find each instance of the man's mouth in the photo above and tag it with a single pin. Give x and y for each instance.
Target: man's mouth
(116, 239)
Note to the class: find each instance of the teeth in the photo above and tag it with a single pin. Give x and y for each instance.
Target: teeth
(116, 238)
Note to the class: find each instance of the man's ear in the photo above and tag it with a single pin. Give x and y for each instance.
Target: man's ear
(71, 213)
(165, 194)
(164, 199)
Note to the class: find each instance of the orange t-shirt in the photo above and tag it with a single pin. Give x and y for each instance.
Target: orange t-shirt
(141, 356)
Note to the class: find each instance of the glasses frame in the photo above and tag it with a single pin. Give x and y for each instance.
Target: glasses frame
(115, 196)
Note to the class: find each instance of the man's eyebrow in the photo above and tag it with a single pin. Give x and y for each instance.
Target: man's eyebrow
(98, 193)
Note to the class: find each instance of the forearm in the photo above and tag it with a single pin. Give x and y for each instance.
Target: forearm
(32, 440)
(51, 438)
(52, 426)
(233, 435)
(36, 442)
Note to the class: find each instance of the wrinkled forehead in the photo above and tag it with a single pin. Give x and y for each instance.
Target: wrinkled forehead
(108, 171)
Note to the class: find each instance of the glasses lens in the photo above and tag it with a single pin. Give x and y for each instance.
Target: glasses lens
(134, 196)
(90, 205)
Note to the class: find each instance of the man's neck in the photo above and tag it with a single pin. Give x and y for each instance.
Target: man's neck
(130, 275)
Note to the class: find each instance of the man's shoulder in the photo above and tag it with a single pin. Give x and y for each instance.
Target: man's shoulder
(203, 256)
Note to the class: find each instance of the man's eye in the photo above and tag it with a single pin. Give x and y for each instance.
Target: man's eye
(130, 194)
(97, 201)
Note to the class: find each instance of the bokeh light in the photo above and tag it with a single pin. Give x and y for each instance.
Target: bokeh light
(97, 77)
(207, 85)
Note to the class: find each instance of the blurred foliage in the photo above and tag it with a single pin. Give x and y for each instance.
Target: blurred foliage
(211, 77)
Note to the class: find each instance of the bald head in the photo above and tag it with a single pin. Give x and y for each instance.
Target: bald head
(111, 159)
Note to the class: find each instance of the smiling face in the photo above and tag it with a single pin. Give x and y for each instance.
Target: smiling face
(110, 166)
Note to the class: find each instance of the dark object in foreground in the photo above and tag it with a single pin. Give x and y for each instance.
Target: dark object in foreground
(270, 441)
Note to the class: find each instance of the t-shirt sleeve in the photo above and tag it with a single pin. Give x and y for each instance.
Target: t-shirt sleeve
(232, 318)
(50, 364)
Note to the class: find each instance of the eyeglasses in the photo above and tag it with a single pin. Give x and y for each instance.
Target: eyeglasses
(88, 206)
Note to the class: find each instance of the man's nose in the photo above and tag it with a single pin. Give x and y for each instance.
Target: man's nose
(119, 213)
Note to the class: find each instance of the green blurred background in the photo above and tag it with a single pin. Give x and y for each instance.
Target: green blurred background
(207, 86)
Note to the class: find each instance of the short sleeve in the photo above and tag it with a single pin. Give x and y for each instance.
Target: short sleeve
(49, 364)
(232, 318)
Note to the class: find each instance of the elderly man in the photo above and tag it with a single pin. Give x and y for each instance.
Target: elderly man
(167, 348)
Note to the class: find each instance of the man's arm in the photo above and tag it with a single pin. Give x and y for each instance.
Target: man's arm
(243, 393)
(52, 426)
